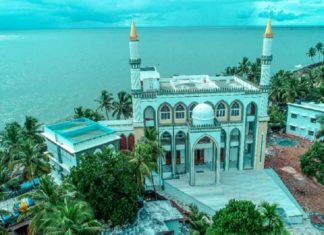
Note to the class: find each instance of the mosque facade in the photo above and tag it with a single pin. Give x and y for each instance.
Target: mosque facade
(204, 123)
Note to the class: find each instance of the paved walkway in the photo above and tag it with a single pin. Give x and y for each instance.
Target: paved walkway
(256, 186)
(253, 185)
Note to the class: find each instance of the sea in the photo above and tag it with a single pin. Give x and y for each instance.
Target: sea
(46, 73)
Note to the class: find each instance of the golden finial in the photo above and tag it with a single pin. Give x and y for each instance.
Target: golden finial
(268, 31)
(133, 34)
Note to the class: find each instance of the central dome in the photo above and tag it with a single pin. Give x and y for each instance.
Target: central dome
(203, 114)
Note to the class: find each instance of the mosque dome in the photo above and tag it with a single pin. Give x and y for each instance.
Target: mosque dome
(203, 114)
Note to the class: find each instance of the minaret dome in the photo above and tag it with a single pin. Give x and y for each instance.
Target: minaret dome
(268, 31)
(133, 34)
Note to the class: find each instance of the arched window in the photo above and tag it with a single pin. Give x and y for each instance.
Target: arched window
(166, 138)
(179, 112)
(191, 109)
(235, 109)
(235, 135)
(165, 113)
(180, 137)
(251, 109)
(149, 117)
(220, 112)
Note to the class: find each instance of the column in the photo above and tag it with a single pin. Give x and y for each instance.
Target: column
(173, 156)
(218, 165)
(227, 150)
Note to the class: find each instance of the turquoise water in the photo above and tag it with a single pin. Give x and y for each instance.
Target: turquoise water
(48, 73)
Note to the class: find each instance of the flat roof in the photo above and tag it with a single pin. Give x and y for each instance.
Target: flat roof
(309, 105)
(79, 130)
(201, 82)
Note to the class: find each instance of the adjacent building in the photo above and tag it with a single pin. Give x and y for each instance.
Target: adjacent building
(302, 119)
(68, 140)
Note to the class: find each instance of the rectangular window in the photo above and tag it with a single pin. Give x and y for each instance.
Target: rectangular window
(165, 116)
(293, 115)
(220, 113)
(180, 115)
(235, 112)
(292, 128)
(313, 120)
(311, 133)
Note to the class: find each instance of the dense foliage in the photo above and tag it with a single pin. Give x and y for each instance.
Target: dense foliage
(312, 162)
(250, 71)
(317, 50)
(243, 218)
(277, 117)
(199, 221)
(59, 210)
(94, 115)
(107, 183)
(22, 155)
(119, 108)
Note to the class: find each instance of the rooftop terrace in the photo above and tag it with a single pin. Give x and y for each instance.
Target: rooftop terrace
(310, 105)
(76, 132)
(203, 82)
(79, 130)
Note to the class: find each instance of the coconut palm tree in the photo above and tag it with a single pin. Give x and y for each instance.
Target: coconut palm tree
(319, 49)
(123, 106)
(32, 129)
(79, 112)
(272, 222)
(290, 89)
(230, 71)
(7, 179)
(255, 71)
(105, 102)
(277, 87)
(10, 137)
(46, 197)
(157, 152)
(141, 162)
(311, 53)
(31, 162)
(71, 217)
(244, 67)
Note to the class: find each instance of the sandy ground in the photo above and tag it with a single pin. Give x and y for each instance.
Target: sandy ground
(285, 161)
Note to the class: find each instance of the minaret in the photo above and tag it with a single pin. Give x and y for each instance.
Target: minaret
(266, 57)
(134, 59)
(136, 87)
(263, 118)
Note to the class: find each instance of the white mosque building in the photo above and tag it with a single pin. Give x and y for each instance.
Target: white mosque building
(205, 123)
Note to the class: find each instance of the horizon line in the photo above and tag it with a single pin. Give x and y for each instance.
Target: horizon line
(156, 27)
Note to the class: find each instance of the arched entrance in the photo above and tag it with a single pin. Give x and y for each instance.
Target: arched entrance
(250, 133)
(235, 141)
(166, 142)
(180, 142)
(223, 150)
(205, 155)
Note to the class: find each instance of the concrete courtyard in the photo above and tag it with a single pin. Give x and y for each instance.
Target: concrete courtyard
(253, 185)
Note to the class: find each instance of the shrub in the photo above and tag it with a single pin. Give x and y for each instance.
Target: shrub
(312, 162)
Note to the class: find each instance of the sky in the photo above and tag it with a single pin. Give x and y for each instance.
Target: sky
(34, 14)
